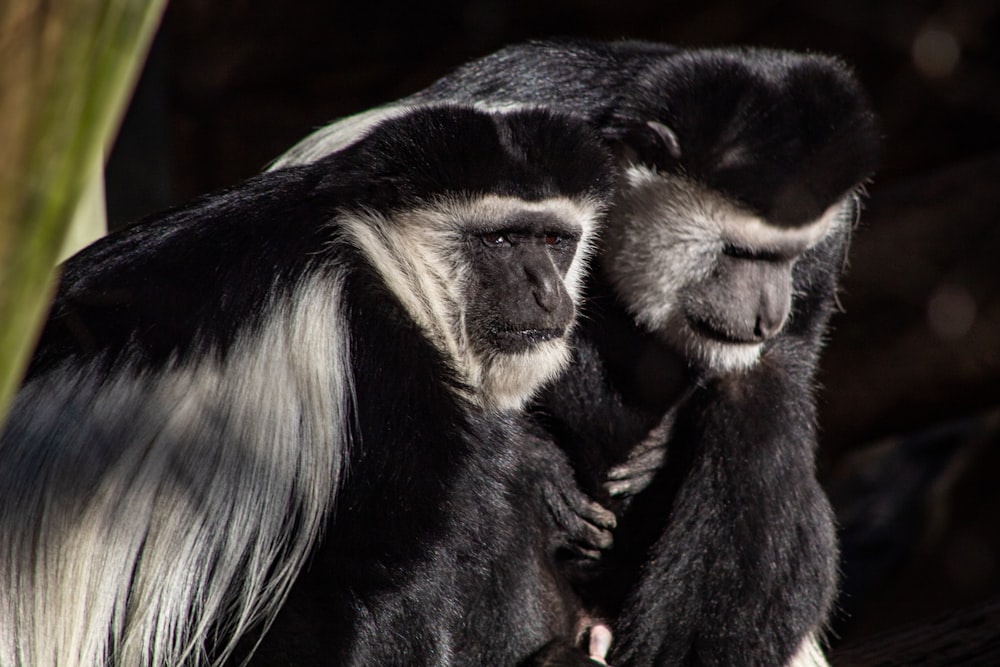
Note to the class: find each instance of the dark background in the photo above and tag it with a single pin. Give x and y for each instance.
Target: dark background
(911, 377)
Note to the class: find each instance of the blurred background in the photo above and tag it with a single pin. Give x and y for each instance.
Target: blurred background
(910, 402)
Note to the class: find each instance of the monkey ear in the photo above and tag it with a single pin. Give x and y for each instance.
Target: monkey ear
(651, 143)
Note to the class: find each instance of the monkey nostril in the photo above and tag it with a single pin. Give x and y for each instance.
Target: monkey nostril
(545, 300)
(758, 329)
(547, 295)
(767, 327)
(772, 312)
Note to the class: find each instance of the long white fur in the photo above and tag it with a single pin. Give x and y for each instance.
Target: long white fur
(203, 505)
(417, 254)
(809, 654)
(668, 233)
(195, 523)
(338, 135)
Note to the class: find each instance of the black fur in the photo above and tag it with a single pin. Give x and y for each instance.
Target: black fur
(784, 134)
(439, 548)
(729, 557)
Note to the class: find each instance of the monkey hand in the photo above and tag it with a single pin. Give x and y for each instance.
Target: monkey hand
(576, 524)
(583, 526)
(629, 478)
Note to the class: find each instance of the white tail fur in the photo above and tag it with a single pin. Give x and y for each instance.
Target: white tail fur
(146, 516)
(809, 654)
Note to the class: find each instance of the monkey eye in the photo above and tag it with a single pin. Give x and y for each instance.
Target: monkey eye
(738, 252)
(553, 239)
(495, 239)
(753, 254)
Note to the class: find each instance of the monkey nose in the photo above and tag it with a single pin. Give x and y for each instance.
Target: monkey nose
(765, 328)
(771, 318)
(544, 287)
(547, 295)
(555, 307)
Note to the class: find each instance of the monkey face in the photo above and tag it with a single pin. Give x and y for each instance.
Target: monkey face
(519, 298)
(493, 281)
(708, 277)
(520, 278)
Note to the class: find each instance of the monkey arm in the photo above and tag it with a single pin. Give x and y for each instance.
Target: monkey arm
(745, 566)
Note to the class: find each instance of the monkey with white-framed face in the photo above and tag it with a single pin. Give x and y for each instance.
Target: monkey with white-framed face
(312, 383)
(691, 392)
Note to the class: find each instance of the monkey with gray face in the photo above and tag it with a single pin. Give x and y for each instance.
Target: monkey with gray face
(339, 351)
(741, 172)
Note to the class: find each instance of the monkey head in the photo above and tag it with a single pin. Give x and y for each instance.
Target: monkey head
(735, 166)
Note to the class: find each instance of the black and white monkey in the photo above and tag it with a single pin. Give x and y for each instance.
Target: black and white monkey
(340, 347)
(691, 393)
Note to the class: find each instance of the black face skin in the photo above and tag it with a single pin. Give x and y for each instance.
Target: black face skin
(746, 300)
(529, 255)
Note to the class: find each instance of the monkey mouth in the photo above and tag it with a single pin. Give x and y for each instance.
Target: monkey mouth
(518, 340)
(706, 329)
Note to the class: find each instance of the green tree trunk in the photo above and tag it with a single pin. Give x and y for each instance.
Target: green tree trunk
(66, 70)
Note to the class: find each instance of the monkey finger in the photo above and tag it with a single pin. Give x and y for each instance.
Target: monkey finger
(572, 506)
(582, 524)
(592, 535)
(602, 539)
(584, 553)
(593, 512)
(647, 461)
(630, 486)
(589, 540)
